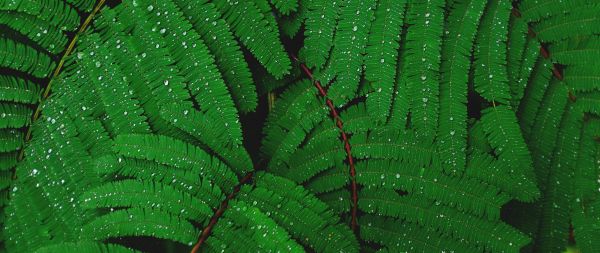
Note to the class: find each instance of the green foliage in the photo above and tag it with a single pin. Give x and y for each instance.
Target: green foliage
(404, 125)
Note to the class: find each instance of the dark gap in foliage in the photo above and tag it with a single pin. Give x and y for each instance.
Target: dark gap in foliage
(16, 36)
(150, 244)
(293, 45)
(112, 3)
(474, 104)
(513, 213)
(252, 123)
(11, 72)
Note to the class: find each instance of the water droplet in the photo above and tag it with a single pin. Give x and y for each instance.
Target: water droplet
(150, 8)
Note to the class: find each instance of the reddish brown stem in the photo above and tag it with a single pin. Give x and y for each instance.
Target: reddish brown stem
(213, 221)
(557, 72)
(344, 136)
(543, 50)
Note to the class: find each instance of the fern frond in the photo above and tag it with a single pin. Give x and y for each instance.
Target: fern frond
(242, 214)
(346, 60)
(500, 125)
(84, 247)
(57, 13)
(454, 69)
(262, 40)
(315, 227)
(580, 21)
(578, 52)
(19, 90)
(26, 59)
(491, 80)
(285, 6)
(216, 33)
(381, 55)
(140, 222)
(181, 155)
(423, 47)
(136, 194)
(321, 20)
(534, 94)
(586, 211)
(558, 194)
(44, 34)
(426, 183)
(399, 236)
(446, 220)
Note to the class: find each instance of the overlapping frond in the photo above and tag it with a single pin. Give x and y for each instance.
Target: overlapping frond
(34, 36)
(420, 125)
(149, 172)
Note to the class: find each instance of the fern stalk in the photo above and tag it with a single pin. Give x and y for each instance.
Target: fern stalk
(347, 147)
(219, 212)
(57, 70)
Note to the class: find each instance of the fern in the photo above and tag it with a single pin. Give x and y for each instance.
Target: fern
(400, 126)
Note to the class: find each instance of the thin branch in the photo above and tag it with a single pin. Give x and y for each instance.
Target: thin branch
(58, 68)
(347, 147)
(213, 220)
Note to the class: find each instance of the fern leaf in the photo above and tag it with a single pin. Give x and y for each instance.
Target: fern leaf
(31, 61)
(315, 227)
(491, 80)
(14, 116)
(152, 147)
(262, 40)
(579, 52)
(285, 6)
(139, 222)
(558, 193)
(84, 247)
(423, 51)
(57, 13)
(381, 55)
(347, 58)
(321, 19)
(585, 211)
(534, 94)
(446, 220)
(135, 194)
(452, 129)
(189, 51)
(207, 21)
(504, 135)
(529, 60)
(53, 39)
(402, 236)
(559, 27)
(483, 200)
(19, 90)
